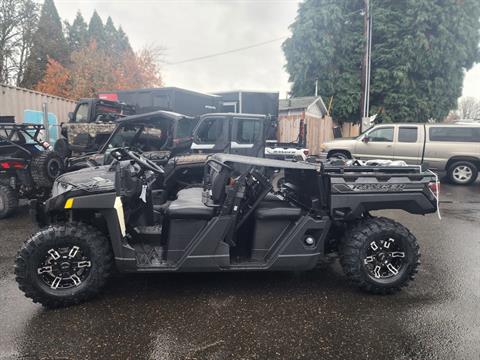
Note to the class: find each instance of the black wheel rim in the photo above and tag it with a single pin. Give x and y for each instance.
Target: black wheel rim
(64, 267)
(2, 204)
(385, 260)
(53, 169)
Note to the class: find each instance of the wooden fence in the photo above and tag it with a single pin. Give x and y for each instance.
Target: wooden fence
(319, 130)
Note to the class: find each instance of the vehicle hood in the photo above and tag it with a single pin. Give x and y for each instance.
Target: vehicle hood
(95, 180)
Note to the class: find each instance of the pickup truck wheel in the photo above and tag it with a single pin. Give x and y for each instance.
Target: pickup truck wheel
(379, 255)
(8, 201)
(462, 173)
(64, 265)
(339, 155)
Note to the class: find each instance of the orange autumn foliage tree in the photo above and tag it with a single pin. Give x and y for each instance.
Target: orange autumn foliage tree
(139, 70)
(92, 70)
(56, 80)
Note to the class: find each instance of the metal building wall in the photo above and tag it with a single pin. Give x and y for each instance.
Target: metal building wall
(14, 101)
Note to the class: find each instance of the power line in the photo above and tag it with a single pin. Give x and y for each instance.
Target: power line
(227, 51)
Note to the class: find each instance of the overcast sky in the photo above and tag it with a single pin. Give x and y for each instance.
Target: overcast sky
(189, 29)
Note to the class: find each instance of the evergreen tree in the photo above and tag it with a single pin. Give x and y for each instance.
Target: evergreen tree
(48, 42)
(123, 44)
(111, 36)
(420, 50)
(77, 33)
(96, 31)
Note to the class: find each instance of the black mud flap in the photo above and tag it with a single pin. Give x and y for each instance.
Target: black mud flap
(37, 212)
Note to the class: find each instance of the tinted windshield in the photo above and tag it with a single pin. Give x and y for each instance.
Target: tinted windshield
(142, 137)
(185, 128)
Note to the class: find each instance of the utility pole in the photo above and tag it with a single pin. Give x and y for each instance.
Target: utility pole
(366, 66)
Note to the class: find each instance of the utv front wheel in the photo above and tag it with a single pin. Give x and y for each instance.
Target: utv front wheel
(8, 201)
(380, 255)
(63, 265)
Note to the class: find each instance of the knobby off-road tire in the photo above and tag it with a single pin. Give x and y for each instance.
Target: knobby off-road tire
(367, 248)
(45, 167)
(81, 251)
(8, 201)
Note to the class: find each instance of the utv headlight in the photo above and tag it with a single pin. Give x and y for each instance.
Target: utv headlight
(60, 187)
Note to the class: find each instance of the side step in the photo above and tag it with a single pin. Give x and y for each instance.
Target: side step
(149, 256)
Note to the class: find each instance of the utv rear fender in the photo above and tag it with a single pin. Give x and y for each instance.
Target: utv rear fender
(352, 206)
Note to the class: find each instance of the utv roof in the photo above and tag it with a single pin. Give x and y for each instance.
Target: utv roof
(169, 115)
(238, 115)
(273, 163)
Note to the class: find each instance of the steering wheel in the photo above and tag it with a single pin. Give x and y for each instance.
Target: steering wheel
(149, 164)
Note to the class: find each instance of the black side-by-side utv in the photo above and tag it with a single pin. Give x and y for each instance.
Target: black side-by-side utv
(108, 216)
(28, 166)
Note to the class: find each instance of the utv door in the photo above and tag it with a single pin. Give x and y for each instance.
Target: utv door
(212, 134)
(247, 136)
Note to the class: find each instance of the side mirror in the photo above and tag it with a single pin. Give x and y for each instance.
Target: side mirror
(365, 139)
(71, 117)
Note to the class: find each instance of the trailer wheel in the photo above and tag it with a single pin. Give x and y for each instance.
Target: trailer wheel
(46, 167)
(64, 265)
(379, 255)
(8, 201)
(462, 173)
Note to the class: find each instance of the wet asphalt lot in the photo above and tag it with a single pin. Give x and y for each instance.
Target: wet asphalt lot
(314, 315)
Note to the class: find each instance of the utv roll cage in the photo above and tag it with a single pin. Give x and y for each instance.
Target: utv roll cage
(9, 130)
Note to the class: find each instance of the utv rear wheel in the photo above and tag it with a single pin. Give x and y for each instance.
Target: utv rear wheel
(64, 265)
(8, 201)
(46, 167)
(379, 255)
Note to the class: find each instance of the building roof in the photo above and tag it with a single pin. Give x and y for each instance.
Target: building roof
(302, 103)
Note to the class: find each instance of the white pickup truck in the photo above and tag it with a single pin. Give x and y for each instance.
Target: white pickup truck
(453, 150)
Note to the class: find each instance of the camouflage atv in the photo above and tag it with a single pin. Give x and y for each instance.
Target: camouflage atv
(90, 126)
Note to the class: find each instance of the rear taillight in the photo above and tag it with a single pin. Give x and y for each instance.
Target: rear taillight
(435, 187)
(12, 165)
(305, 152)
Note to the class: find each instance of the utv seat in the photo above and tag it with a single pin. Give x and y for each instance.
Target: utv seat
(193, 192)
(188, 209)
(189, 205)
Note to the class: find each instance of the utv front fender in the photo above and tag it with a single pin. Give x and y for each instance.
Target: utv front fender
(110, 206)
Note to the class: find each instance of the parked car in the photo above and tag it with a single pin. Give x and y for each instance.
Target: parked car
(452, 150)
